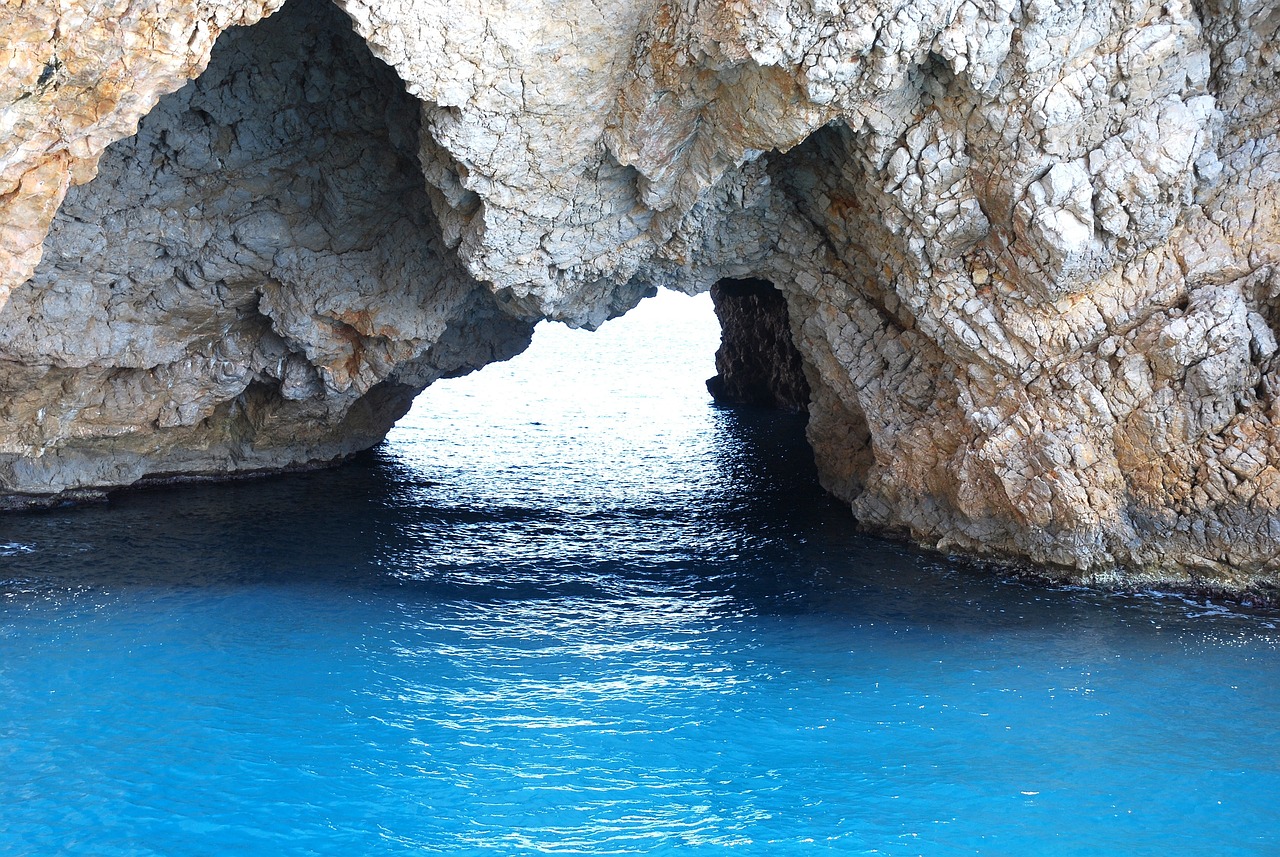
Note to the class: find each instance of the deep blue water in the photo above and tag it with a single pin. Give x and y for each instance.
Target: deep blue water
(572, 607)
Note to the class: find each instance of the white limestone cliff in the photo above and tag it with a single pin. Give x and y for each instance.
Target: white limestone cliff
(1029, 248)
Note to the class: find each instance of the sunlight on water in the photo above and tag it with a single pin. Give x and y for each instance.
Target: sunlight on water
(572, 607)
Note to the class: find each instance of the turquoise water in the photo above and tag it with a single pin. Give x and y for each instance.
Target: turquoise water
(571, 607)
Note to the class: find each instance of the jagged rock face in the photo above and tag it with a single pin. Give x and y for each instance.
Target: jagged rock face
(757, 362)
(77, 78)
(253, 281)
(1028, 248)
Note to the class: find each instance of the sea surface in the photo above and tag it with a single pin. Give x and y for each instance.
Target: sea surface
(572, 607)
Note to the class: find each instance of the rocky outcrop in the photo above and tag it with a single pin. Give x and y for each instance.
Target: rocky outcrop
(1028, 249)
(757, 362)
(252, 282)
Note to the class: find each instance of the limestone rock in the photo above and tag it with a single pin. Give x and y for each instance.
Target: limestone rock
(1028, 248)
(251, 282)
(78, 76)
(757, 363)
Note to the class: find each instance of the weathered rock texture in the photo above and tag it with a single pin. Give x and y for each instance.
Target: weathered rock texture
(757, 362)
(1029, 248)
(252, 281)
(77, 77)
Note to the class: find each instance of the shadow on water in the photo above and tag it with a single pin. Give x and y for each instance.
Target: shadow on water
(769, 541)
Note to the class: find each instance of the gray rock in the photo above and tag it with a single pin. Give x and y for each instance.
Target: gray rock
(1028, 249)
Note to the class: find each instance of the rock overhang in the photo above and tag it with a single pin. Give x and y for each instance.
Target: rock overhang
(1028, 250)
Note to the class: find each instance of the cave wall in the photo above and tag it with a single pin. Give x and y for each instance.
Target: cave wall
(253, 281)
(77, 78)
(1028, 249)
(757, 362)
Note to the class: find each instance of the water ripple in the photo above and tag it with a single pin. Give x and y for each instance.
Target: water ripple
(589, 613)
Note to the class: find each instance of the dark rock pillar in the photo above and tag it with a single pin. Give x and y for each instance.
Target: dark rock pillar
(757, 362)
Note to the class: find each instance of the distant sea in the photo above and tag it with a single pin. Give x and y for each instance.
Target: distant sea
(570, 606)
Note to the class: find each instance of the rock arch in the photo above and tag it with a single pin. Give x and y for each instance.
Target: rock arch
(1029, 250)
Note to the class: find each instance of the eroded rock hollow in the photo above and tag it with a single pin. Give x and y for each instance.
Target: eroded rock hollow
(757, 362)
(1028, 250)
(253, 281)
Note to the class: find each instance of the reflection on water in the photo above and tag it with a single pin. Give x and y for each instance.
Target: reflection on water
(572, 607)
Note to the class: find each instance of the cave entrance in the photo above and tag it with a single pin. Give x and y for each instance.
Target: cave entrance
(255, 281)
(615, 421)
